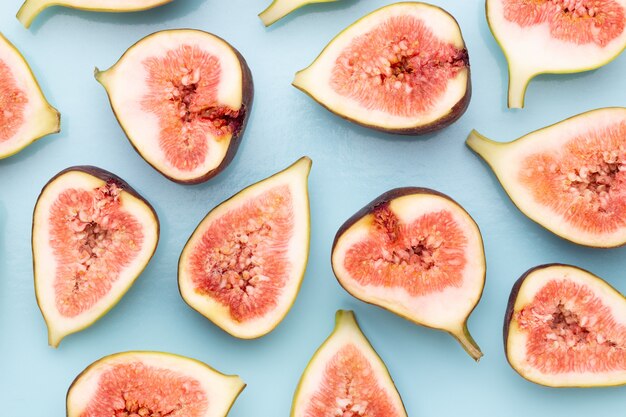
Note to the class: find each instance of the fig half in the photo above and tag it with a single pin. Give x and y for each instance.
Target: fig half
(565, 327)
(25, 114)
(555, 36)
(346, 377)
(183, 98)
(281, 8)
(31, 8)
(401, 69)
(151, 384)
(92, 237)
(417, 253)
(569, 177)
(243, 265)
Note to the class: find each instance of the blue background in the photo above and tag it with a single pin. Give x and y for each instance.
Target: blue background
(351, 166)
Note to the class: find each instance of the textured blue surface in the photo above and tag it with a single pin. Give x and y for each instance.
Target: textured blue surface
(351, 165)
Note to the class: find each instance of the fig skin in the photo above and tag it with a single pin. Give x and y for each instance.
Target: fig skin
(247, 95)
(107, 177)
(510, 310)
(385, 199)
(455, 112)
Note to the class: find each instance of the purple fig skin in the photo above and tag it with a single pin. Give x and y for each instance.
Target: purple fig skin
(107, 177)
(383, 200)
(510, 308)
(239, 125)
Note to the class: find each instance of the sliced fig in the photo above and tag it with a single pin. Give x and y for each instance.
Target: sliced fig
(281, 8)
(569, 177)
(25, 114)
(417, 253)
(92, 237)
(31, 8)
(151, 384)
(565, 327)
(555, 36)
(243, 265)
(346, 377)
(183, 98)
(401, 69)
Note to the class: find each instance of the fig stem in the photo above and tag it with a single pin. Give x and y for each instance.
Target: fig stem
(483, 146)
(518, 83)
(469, 344)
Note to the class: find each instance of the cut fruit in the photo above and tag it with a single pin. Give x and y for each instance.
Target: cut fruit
(151, 384)
(32, 8)
(555, 36)
(565, 327)
(401, 69)
(92, 237)
(243, 265)
(25, 114)
(346, 377)
(417, 253)
(281, 8)
(183, 98)
(569, 177)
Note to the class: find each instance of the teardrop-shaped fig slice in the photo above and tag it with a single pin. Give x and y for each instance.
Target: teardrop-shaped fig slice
(417, 253)
(183, 98)
(243, 265)
(346, 377)
(401, 69)
(92, 237)
(25, 114)
(32, 8)
(151, 384)
(565, 327)
(281, 8)
(555, 36)
(569, 177)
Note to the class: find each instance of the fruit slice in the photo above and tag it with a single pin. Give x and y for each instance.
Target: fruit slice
(183, 98)
(92, 237)
(555, 36)
(565, 327)
(26, 114)
(243, 265)
(417, 253)
(401, 69)
(31, 8)
(569, 177)
(281, 8)
(151, 384)
(346, 377)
